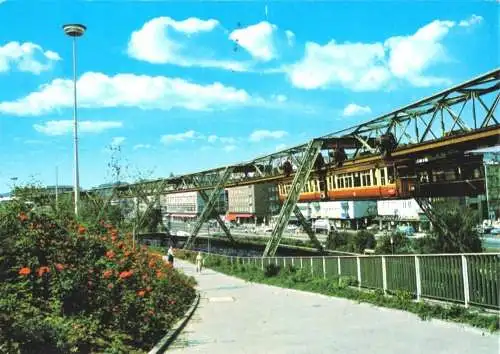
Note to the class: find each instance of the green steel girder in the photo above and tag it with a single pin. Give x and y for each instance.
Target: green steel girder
(299, 180)
(207, 210)
(418, 123)
(307, 228)
(206, 199)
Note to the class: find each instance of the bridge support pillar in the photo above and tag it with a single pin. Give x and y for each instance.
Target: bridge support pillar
(307, 227)
(209, 206)
(223, 226)
(299, 180)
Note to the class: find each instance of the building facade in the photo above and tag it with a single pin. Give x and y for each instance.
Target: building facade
(343, 214)
(255, 203)
(392, 213)
(188, 205)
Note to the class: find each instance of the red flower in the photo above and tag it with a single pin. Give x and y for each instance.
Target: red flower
(110, 286)
(108, 273)
(59, 266)
(24, 271)
(141, 293)
(42, 270)
(22, 216)
(81, 230)
(126, 274)
(110, 254)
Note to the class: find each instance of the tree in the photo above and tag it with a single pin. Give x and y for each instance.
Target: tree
(460, 235)
(400, 244)
(335, 240)
(361, 240)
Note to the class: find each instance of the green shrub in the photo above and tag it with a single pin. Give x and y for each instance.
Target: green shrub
(271, 270)
(70, 288)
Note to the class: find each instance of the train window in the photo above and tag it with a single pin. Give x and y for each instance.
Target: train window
(357, 179)
(365, 178)
(374, 177)
(390, 174)
(349, 180)
(382, 176)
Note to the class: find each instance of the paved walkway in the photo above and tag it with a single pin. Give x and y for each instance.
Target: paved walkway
(239, 317)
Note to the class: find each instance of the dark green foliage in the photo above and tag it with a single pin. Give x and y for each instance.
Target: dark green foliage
(336, 240)
(461, 235)
(400, 244)
(361, 240)
(271, 270)
(69, 288)
(152, 220)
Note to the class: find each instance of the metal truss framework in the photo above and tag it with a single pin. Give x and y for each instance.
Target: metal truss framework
(460, 111)
(209, 208)
(290, 204)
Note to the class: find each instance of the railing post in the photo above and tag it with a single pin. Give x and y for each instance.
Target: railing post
(300, 262)
(284, 262)
(262, 263)
(293, 263)
(324, 268)
(418, 278)
(465, 275)
(338, 266)
(384, 274)
(312, 268)
(358, 263)
(276, 260)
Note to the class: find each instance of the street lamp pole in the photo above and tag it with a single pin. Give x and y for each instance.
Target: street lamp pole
(74, 31)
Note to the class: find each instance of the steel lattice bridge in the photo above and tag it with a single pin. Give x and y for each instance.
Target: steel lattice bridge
(408, 153)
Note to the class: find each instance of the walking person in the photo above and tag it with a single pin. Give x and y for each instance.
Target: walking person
(170, 256)
(199, 262)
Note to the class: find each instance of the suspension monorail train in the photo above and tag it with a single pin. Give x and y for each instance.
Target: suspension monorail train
(391, 180)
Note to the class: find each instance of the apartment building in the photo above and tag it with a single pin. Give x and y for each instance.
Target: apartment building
(253, 203)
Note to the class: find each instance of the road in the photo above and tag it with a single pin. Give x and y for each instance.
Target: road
(235, 316)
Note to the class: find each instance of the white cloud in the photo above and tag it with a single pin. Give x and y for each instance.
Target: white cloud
(259, 135)
(214, 138)
(353, 109)
(141, 146)
(97, 90)
(280, 147)
(371, 66)
(473, 20)
(229, 148)
(171, 138)
(164, 40)
(290, 36)
(257, 40)
(28, 57)
(279, 98)
(117, 140)
(61, 127)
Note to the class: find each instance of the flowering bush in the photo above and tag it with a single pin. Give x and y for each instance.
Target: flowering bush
(75, 288)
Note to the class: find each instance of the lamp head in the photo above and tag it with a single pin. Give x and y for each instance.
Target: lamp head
(74, 29)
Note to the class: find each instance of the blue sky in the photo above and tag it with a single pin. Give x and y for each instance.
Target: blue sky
(187, 86)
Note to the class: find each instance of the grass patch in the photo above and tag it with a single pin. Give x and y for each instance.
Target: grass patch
(293, 278)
